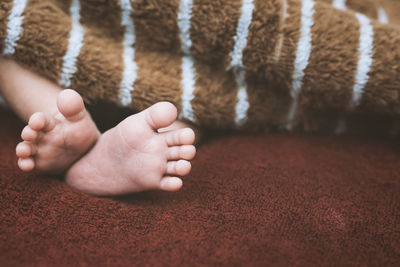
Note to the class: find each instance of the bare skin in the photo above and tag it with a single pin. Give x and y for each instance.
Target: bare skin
(148, 150)
(53, 142)
(59, 129)
(134, 157)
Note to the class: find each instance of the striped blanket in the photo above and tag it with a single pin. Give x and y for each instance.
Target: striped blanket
(233, 64)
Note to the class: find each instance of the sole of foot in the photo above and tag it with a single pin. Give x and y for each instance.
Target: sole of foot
(52, 142)
(134, 157)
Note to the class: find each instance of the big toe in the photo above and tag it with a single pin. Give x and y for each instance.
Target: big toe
(160, 115)
(70, 104)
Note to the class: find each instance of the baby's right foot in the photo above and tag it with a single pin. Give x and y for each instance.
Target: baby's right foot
(134, 156)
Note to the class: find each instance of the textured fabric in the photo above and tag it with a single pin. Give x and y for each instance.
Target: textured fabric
(249, 64)
(251, 200)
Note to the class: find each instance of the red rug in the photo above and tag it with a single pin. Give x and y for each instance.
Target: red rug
(250, 200)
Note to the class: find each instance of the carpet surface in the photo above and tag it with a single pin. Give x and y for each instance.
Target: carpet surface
(250, 200)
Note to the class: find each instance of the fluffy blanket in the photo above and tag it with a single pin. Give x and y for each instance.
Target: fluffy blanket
(244, 64)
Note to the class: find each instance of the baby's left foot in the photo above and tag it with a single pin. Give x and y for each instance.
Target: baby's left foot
(52, 142)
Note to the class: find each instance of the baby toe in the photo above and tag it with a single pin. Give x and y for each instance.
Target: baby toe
(40, 121)
(26, 164)
(181, 167)
(24, 149)
(181, 152)
(170, 183)
(37, 121)
(187, 136)
(179, 137)
(28, 134)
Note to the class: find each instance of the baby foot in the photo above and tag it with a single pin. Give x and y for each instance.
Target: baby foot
(52, 142)
(134, 156)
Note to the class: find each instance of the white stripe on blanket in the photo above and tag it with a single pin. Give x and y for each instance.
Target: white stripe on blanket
(339, 4)
(243, 104)
(130, 68)
(236, 64)
(75, 43)
(188, 68)
(241, 33)
(14, 27)
(365, 51)
(382, 16)
(304, 46)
